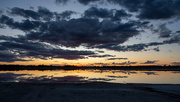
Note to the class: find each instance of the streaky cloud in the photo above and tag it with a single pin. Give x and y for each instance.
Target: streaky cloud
(150, 62)
(124, 63)
(117, 58)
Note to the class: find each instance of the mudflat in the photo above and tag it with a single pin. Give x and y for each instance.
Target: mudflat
(88, 92)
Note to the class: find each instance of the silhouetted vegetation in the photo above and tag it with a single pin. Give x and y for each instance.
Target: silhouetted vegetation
(68, 67)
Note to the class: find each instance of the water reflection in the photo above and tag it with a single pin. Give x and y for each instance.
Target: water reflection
(100, 79)
(176, 72)
(125, 72)
(78, 76)
(111, 76)
(11, 77)
(150, 73)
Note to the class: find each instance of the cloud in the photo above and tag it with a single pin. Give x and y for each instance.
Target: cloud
(156, 49)
(41, 14)
(147, 9)
(102, 64)
(84, 31)
(85, 2)
(61, 1)
(150, 62)
(25, 25)
(111, 76)
(134, 47)
(124, 63)
(101, 56)
(53, 27)
(99, 51)
(173, 39)
(16, 49)
(113, 14)
(97, 28)
(25, 13)
(175, 63)
(6, 56)
(117, 58)
(100, 79)
(162, 30)
(46, 29)
(160, 9)
(151, 9)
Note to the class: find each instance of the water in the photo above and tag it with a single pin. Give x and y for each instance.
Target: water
(77, 76)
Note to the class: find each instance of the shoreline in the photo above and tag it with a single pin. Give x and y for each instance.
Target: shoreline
(89, 92)
(133, 68)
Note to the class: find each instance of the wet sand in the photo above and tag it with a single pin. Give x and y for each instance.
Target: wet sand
(88, 92)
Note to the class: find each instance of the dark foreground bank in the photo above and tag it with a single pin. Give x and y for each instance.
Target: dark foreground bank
(46, 67)
(88, 92)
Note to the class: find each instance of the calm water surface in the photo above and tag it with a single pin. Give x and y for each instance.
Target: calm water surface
(113, 76)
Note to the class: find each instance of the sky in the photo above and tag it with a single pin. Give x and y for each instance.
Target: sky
(90, 32)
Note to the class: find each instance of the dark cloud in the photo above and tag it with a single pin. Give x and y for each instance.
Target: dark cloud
(73, 32)
(101, 64)
(47, 29)
(25, 25)
(111, 76)
(175, 63)
(147, 9)
(89, 32)
(7, 56)
(112, 14)
(97, 12)
(150, 62)
(135, 47)
(102, 56)
(45, 13)
(44, 29)
(85, 31)
(17, 50)
(1, 12)
(117, 58)
(61, 1)
(41, 14)
(131, 5)
(160, 9)
(151, 9)
(124, 63)
(85, 2)
(99, 51)
(173, 39)
(24, 13)
(156, 49)
(66, 15)
(162, 30)
(100, 79)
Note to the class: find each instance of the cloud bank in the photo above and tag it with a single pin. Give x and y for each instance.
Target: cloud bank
(46, 31)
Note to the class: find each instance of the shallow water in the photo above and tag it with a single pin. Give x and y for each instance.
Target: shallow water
(113, 76)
